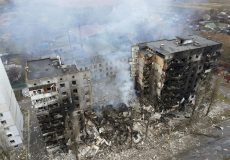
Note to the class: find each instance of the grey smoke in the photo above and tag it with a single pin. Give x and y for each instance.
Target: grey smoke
(86, 27)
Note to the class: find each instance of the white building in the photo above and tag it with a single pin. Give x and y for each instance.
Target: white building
(11, 119)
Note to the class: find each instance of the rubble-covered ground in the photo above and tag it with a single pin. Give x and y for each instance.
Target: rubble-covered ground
(169, 136)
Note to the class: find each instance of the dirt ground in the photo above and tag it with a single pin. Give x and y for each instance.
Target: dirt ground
(225, 39)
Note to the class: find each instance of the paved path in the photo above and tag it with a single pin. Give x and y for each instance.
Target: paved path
(212, 148)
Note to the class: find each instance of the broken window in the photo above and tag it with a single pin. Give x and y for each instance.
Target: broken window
(64, 93)
(62, 85)
(9, 135)
(12, 141)
(60, 79)
(76, 98)
(65, 101)
(39, 91)
(73, 76)
(74, 82)
(3, 122)
(1, 114)
(75, 91)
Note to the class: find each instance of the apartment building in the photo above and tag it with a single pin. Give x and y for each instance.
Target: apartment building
(166, 72)
(57, 90)
(11, 117)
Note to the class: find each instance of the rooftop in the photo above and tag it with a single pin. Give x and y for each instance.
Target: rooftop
(46, 67)
(180, 44)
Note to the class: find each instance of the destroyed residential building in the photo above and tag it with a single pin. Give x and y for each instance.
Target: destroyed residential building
(57, 90)
(166, 72)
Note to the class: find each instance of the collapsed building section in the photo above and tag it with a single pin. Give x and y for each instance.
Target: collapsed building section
(57, 92)
(166, 72)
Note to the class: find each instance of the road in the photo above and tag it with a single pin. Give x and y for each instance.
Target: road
(216, 147)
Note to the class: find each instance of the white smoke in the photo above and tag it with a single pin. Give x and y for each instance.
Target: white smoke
(86, 27)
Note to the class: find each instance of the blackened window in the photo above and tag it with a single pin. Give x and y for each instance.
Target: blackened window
(62, 85)
(64, 93)
(3, 122)
(75, 91)
(74, 82)
(12, 141)
(9, 135)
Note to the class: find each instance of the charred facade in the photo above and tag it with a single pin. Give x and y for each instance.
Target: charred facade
(166, 72)
(57, 91)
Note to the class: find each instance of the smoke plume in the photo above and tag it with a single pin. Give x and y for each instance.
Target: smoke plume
(82, 28)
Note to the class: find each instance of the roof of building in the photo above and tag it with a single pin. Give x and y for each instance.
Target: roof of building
(46, 67)
(179, 44)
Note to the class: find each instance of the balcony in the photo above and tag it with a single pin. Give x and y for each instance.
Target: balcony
(44, 95)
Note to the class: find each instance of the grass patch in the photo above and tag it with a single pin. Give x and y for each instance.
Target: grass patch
(221, 97)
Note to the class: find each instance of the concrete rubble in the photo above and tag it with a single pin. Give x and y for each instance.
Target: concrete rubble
(118, 128)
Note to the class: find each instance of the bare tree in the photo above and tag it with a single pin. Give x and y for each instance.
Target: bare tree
(213, 95)
(202, 96)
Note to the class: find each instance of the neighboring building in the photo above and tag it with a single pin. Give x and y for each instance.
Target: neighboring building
(100, 67)
(11, 117)
(103, 73)
(56, 91)
(166, 72)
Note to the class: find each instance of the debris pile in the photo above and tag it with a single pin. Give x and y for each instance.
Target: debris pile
(117, 128)
(108, 128)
